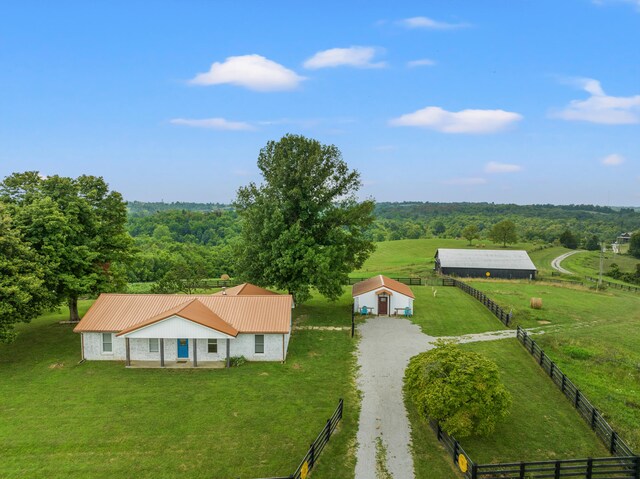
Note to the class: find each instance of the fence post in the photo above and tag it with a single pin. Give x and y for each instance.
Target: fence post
(594, 413)
(589, 468)
(577, 401)
(474, 471)
(522, 470)
(557, 471)
(564, 380)
(455, 452)
(312, 455)
(541, 357)
(353, 319)
(551, 368)
(340, 408)
(614, 438)
(439, 432)
(637, 467)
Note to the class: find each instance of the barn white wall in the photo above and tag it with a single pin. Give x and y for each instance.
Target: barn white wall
(242, 345)
(370, 299)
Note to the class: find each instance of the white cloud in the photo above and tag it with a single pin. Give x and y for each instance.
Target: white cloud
(430, 24)
(465, 121)
(600, 107)
(612, 160)
(214, 124)
(635, 3)
(254, 72)
(359, 57)
(424, 62)
(465, 181)
(495, 167)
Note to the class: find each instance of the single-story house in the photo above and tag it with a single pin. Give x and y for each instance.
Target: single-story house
(483, 263)
(382, 296)
(624, 238)
(169, 329)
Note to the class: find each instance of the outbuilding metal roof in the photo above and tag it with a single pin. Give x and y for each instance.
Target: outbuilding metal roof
(485, 259)
(246, 314)
(380, 281)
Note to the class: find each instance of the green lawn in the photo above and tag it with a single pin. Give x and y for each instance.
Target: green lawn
(543, 424)
(415, 257)
(100, 420)
(451, 312)
(593, 336)
(542, 259)
(588, 264)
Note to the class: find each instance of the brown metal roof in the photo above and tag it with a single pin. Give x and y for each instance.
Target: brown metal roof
(381, 282)
(246, 314)
(245, 289)
(192, 310)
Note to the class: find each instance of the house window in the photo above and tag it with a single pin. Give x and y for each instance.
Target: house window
(259, 343)
(107, 343)
(154, 345)
(212, 346)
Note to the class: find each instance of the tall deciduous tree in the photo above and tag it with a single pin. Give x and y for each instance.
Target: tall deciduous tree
(462, 390)
(302, 227)
(22, 279)
(503, 232)
(568, 240)
(470, 233)
(77, 226)
(634, 244)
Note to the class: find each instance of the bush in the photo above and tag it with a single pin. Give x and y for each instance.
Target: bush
(237, 361)
(462, 390)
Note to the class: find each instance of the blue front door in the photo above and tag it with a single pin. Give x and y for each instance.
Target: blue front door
(183, 348)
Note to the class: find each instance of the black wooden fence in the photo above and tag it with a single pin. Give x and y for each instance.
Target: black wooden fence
(590, 414)
(409, 281)
(491, 305)
(623, 287)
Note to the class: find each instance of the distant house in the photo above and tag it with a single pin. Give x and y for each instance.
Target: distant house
(382, 296)
(624, 238)
(509, 264)
(164, 329)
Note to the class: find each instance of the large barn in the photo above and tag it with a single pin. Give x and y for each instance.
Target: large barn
(472, 263)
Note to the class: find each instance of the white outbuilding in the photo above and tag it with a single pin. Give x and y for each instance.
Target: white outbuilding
(382, 296)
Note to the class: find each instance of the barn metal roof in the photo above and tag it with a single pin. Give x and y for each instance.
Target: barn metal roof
(381, 281)
(485, 259)
(246, 314)
(245, 289)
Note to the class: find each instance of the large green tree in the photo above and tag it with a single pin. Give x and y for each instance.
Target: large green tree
(568, 239)
(462, 390)
(22, 279)
(470, 233)
(77, 225)
(634, 244)
(503, 232)
(303, 226)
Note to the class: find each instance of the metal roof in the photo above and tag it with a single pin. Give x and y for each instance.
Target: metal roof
(246, 314)
(244, 289)
(484, 259)
(381, 282)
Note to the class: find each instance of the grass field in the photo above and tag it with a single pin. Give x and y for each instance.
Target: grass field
(594, 338)
(100, 420)
(451, 312)
(414, 257)
(542, 259)
(588, 263)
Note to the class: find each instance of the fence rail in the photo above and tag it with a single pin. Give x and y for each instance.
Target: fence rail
(623, 287)
(406, 280)
(590, 414)
(491, 305)
(590, 468)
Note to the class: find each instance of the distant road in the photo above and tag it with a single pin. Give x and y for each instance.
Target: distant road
(555, 264)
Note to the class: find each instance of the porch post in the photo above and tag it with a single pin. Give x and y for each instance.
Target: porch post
(228, 355)
(161, 352)
(126, 341)
(195, 353)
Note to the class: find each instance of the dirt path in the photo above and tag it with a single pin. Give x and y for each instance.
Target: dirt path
(384, 351)
(555, 264)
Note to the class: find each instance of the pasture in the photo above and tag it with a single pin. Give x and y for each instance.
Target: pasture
(100, 420)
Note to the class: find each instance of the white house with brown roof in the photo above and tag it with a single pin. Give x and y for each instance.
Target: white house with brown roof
(382, 296)
(163, 329)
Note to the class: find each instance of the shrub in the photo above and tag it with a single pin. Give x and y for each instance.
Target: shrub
(462, 390)
(237, 361)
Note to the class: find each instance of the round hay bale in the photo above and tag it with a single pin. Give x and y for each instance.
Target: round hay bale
(536, 303)
(225, 277)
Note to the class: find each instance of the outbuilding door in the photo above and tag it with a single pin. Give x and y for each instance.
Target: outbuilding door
(183, 348)
(383, 304)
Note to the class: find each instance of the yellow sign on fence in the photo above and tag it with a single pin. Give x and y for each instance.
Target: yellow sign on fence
(462, 463)
(304, 471)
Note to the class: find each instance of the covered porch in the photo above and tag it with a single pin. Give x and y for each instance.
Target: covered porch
(146, 364)
(187, 353)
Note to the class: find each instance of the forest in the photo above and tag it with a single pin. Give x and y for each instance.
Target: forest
(169, 235)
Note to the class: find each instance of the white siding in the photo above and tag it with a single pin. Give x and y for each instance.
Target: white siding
(370, 299)
(242, 345)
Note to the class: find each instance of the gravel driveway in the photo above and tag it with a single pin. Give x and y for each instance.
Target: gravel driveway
(384, 351)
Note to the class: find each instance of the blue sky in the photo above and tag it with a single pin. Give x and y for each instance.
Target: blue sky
(503, 101)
